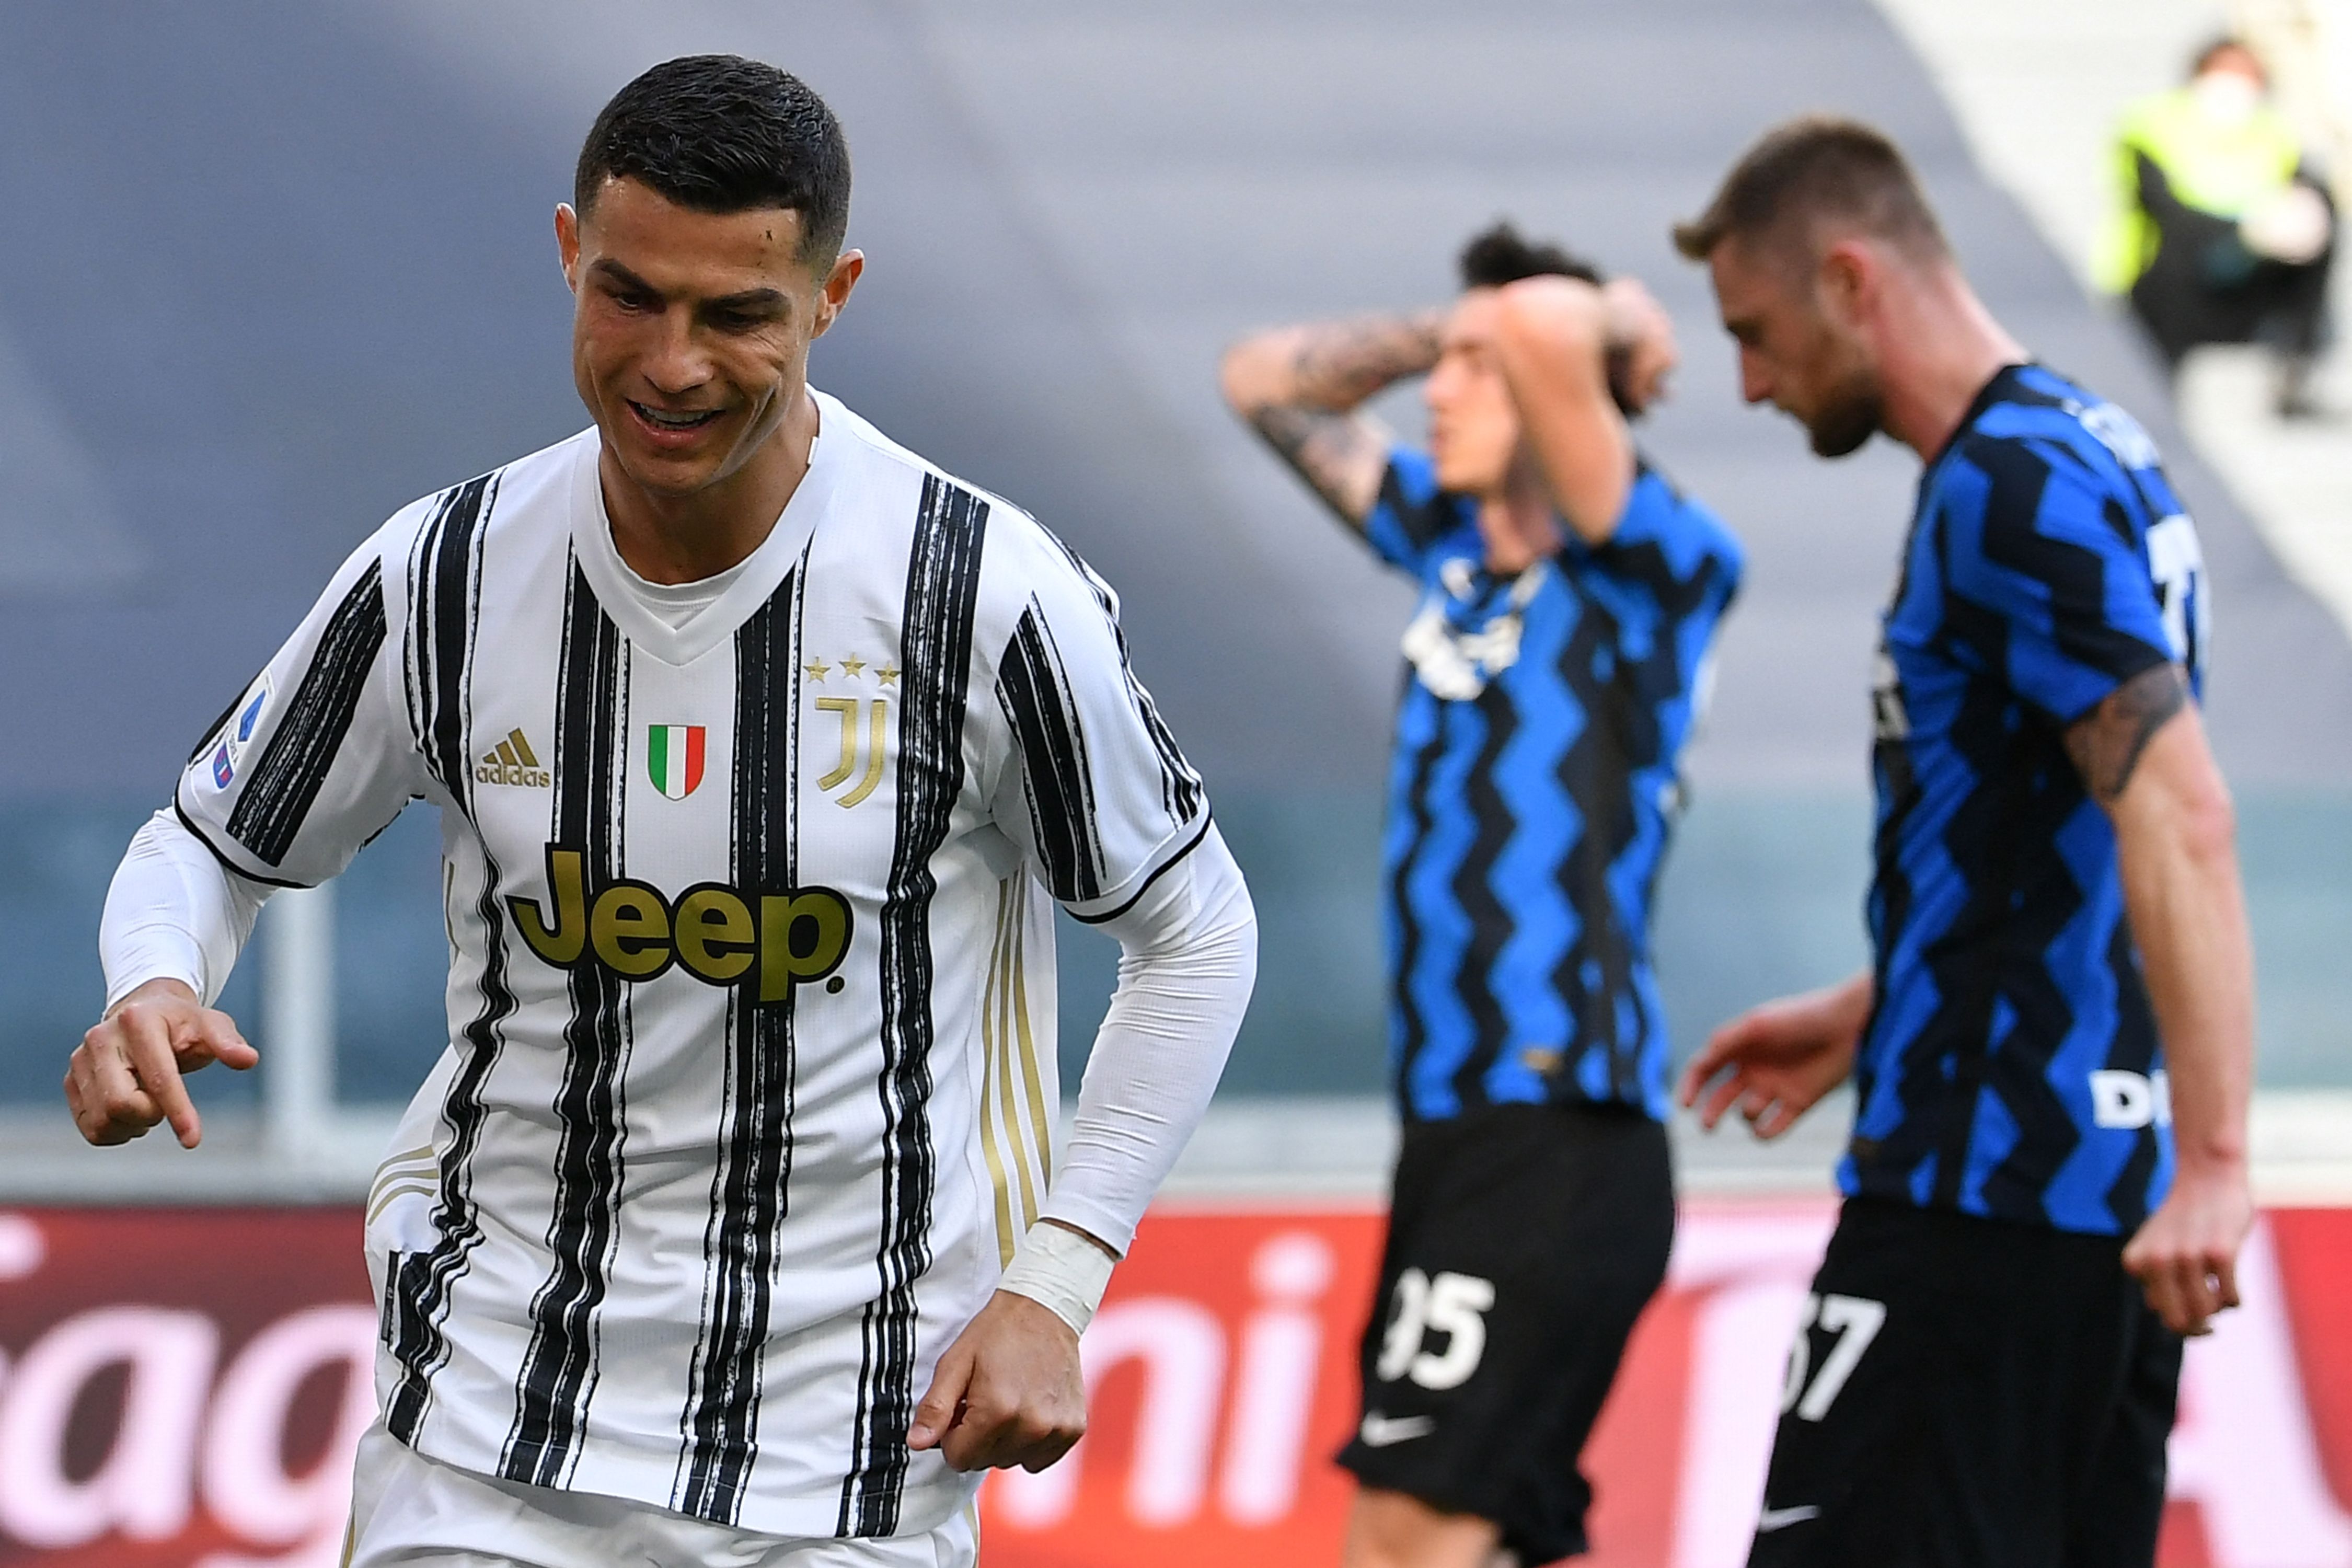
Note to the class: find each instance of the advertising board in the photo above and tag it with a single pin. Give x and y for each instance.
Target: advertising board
(184, 1387)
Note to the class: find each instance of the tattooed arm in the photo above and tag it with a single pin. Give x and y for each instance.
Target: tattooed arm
(1301, 388)
(2107, 743)
(2143, 755)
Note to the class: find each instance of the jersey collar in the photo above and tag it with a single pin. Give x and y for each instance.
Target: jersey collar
(1990, 393)
(764, 569)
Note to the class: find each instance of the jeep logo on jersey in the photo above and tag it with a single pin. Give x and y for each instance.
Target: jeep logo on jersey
(674, 758)
(719, 936)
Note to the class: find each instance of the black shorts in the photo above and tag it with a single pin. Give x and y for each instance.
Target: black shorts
(1969, 1392)
(1523, 1242)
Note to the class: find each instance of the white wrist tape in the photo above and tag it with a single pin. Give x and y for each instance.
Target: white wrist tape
(1062, 1271)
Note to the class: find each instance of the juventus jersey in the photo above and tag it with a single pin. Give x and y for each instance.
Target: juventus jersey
(751, 1000)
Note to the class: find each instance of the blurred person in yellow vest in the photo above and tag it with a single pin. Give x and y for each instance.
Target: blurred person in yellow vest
(2226, 231)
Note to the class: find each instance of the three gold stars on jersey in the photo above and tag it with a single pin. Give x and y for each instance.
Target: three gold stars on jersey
(851, 665)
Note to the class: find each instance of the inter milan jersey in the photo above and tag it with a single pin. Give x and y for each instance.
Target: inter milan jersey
(750, 998)
(2010, 1067)
(1533, 787)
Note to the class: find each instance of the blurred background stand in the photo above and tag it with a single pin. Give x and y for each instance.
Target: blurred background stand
(1068, 207)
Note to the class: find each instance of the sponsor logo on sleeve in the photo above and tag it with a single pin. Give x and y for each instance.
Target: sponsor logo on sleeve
(241, 731)
(248, 718)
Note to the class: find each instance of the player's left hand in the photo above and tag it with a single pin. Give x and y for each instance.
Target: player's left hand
(1008, 1391)
(2186, 1254)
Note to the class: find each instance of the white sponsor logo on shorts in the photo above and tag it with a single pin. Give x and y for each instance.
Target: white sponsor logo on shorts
(1773, 1518)
(1379, 1431)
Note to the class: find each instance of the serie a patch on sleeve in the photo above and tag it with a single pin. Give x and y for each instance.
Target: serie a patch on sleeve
(241, 730)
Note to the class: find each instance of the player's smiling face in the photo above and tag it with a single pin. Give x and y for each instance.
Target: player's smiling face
(690, 330)
(1474, 426)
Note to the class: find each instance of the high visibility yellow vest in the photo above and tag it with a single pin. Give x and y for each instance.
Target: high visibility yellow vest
(2217, 168)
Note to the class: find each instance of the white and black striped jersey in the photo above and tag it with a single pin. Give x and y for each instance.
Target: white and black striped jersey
(751, 999)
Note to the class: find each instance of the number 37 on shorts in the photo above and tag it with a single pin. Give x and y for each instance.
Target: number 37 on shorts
(1846, 1325)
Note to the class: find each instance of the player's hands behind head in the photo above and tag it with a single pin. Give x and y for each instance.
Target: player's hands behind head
(1641, 353)
(2184, 1254)
(125, 1075)
(1565, 315)
(1776, 1062)
(1008, 1391)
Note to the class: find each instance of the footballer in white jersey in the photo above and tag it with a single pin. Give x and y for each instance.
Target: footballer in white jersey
(749, 879)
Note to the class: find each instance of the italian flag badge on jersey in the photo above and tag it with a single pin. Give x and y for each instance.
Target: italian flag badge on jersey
(674, 757)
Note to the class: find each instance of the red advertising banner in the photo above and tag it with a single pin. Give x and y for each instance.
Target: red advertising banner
(181, 1387)
(184, 1386)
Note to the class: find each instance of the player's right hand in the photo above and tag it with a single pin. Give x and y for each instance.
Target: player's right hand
(1776, 1062)
(1642, 332)
(125, 1075)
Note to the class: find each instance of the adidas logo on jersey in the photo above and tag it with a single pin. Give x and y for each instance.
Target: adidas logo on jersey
(714, 933)
(512, 761)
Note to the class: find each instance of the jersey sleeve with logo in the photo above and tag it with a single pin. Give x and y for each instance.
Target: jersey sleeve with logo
(316, 756)
(1098, 794)
(2042, 546)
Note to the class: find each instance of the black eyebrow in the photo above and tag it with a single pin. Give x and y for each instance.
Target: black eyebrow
(622, 275)
(748, 301)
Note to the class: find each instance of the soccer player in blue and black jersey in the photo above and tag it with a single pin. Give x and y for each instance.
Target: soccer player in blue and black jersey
(2046, 1186)
(1568, 596)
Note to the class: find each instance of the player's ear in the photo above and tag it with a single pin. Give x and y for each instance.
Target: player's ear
(1846, 278)
(846, 269)
(567, 244)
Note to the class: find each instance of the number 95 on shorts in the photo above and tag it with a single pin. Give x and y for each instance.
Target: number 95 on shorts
(1522, 1243)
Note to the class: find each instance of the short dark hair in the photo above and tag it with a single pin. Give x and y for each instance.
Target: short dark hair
(1819, 167)
(1500, 255)
(720, 133)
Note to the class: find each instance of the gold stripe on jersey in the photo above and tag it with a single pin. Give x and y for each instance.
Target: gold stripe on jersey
(1041, 1133)
(401, 1172)
(1008, 1106)
(1016, 1146)
(990, 1042)
(400, 1190)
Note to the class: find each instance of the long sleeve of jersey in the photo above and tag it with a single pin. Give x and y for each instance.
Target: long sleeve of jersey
(1188, 958)
(174, 912)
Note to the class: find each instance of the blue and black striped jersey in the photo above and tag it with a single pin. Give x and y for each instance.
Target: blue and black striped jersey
(2010, 1067)
(1533, 787)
